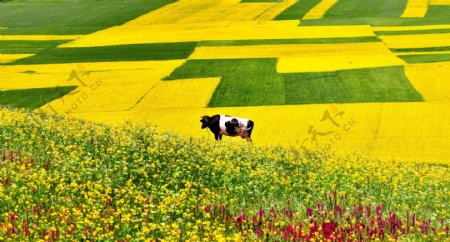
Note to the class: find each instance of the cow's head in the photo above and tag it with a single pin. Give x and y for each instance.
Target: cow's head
(204, 121)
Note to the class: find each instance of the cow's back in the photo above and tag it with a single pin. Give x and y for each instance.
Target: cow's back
(225, 118)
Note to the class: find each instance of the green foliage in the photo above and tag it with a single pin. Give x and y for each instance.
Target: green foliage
(71, 17)
(222, 67)
(425, 49)
(27, 46)
(438, 11)
(354, 9)
(245, 81)
(421, 31)
(387, 84)
(32, 98)
(251, 89)
(248, 82)
(425, 58)
(378, 13)
(134, 52)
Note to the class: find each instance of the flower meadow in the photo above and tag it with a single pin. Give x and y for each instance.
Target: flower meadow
(63, 179)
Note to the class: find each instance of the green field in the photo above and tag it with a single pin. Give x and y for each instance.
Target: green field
(27, 46)
(169, 51)
(252, 82)
(297, 11)
(32, 98)
(425, 58)
(70, 17)
(377, 13)
(356, 154)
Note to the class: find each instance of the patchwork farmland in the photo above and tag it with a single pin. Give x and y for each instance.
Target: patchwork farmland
(326, 82)
(384, 63)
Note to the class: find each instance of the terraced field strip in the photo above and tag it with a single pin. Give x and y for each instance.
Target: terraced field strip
(401, 131)
(27, 46)
(134, 52)
(412, 28)
(8, 58)
(416, 40)
(39, 37)
(308, 57)
(439, 2)
(100, 97)
(404, 32)
(251, 30)
(288, 41)
(186, 93)
(425, 58)
(340, 61)
(276, 10)
(250, 82)
(373, 12)
(431, 80)
(50, 75)
(211, 10)
(423, 53)
(244, 81)
(32, 98)
(320, 9)
(382, 13)
(416, 9)
(286, 51)
(297, 10)
(102, 87)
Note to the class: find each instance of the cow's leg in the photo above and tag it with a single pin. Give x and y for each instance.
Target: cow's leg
(220, 136)
(250, 126)
(216, 136)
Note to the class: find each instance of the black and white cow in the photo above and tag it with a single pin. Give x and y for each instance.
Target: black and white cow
(221, 124)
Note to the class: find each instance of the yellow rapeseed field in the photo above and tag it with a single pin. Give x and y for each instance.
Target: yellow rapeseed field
(48, 75)
(320, 9)
(416, 40)
(340, 62)
(401, 131)
(422, 52)
(308, 57)
(67, 179)
(289, 29)
(412, 27)
(415, 9)
(187, 11)
(99, 97)
(6, 58)
(431, 80)
(118, 91)
(288, 50)
(186, 93)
